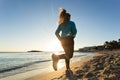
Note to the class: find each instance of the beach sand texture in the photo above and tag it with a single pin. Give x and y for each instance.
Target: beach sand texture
(104, 66)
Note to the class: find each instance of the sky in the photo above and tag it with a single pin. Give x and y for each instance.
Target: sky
(31, 24)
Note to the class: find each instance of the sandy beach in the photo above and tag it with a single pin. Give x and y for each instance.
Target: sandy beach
(60, 74)
(104, 66)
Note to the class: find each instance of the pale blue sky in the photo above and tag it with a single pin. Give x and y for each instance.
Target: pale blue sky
(31, 24)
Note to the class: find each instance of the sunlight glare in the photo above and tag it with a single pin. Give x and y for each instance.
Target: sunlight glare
(54, 45)
(61, 64)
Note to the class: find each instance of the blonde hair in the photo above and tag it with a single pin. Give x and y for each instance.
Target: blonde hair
(62, 14)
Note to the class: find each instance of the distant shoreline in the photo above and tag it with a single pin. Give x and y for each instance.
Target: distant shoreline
(34, 51)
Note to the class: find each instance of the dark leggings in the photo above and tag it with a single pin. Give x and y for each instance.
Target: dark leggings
(68, 46)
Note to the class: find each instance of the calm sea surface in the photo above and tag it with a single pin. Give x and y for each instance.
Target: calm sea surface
(18, 62)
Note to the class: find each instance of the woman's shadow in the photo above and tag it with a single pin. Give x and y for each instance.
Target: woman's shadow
(69, 75)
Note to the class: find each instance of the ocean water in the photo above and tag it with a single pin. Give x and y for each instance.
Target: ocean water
(12, 63)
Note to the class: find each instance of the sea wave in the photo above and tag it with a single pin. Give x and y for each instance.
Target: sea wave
(22, 65)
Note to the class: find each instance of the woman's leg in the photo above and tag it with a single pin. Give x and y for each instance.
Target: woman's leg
(56, 58)
(68, 46)
(67, 61)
